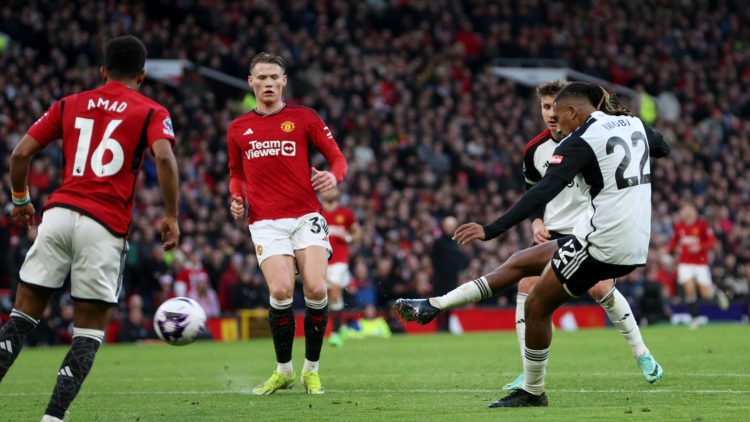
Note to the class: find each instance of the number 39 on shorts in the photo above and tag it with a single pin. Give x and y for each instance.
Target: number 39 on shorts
(318, 224)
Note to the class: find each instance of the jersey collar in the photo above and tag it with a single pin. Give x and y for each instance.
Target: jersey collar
(258, 113)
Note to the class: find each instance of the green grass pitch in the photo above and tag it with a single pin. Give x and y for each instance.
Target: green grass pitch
(591, 376)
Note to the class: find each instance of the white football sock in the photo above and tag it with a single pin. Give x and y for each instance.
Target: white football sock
(310, 366)
(285, 368)
(619, 312)
(534, 368)
(521, 321)
(469, 292)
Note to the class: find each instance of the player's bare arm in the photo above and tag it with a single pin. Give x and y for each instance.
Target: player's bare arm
(166, 169)
(23, 211)
(539, 230)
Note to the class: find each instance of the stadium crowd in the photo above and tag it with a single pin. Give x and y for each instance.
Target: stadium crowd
(407, 90)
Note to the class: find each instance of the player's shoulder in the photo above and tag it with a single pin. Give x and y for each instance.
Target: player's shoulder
(533, 144)
(303, 111)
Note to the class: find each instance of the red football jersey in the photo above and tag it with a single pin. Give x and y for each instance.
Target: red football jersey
(698, 235)
(269, 164)
(339, 222)
(105, 133)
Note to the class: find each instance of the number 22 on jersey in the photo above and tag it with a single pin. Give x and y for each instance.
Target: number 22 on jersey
(107, 143)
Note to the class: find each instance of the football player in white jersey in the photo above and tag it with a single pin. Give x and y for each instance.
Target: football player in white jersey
(556, 220)
(609, 240)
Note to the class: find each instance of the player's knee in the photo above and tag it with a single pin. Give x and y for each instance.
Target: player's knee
(279, 291)
(316, 292)
(601, 291)
(526, 284)
(536, 308)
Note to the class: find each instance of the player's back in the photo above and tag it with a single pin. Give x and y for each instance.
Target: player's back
(105, 132)
(618, 224)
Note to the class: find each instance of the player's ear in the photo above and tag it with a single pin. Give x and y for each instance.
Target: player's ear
(283, 80)
(104, 72)
(141, 77)
(250, 80)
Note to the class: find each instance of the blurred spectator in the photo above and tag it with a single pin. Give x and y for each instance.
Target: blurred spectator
(251, 292)
(202, 292)
(134, 327)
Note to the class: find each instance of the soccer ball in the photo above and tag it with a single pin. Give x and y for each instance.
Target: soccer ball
(179, 321)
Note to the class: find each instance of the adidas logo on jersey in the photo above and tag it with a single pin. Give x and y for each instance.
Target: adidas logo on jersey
(248, 132)
(7, 346)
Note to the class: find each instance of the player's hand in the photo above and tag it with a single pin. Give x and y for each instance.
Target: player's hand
(237, 207)
(467, 233)
(23, 215)
(170, 233)
(541, 234)
(322, 180)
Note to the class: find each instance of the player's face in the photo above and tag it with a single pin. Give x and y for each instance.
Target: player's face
(268, 81)
(565, 115)
(548, 113)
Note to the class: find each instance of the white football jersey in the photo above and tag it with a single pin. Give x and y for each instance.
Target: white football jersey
(610, 155)
(562, 213)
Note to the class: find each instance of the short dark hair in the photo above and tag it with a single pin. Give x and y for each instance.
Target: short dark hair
(124, 57)
(595, 95)
(264, 57)
(551, 88)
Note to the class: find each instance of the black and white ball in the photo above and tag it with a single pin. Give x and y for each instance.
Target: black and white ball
(179, 321)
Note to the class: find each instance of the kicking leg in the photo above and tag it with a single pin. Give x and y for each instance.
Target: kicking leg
(524, 263)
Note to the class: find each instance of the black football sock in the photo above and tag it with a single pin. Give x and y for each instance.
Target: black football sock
(12, 336)
(316, 319)
(282, 329)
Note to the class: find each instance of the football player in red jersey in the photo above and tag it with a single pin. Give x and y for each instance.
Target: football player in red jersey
(269, 171)
(344, 230)
(694, 238)
(104, 133)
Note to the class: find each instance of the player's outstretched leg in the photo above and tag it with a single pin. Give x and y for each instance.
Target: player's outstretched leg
(619, 312)
(521, 264)
(281, 319)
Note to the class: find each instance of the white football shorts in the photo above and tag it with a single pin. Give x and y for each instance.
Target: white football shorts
(338, 274)
(701, 274)
(286, 235)
(70, 242)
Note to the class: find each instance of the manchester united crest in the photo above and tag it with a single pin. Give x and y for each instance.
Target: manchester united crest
(287, 126)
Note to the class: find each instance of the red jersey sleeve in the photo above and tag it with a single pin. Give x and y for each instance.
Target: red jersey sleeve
(708, 240)
(49, 127)
(160, 127)
(322, 138)
(237, 181)
(350, 218)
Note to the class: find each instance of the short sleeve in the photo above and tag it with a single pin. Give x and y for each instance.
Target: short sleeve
(160, 127)
(49, 127)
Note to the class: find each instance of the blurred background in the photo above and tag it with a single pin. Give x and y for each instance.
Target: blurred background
(432, 103)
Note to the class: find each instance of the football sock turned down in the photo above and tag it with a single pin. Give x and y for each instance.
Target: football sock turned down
(12, 336)
(74, 368)
(281, 318)
(535, 366)
(469, 292)
(619, 312)
(316, 319)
